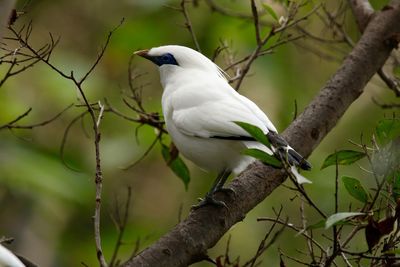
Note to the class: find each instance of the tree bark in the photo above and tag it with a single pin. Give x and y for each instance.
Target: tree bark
(188, 241)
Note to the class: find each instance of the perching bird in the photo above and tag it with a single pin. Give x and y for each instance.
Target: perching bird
(200, 108)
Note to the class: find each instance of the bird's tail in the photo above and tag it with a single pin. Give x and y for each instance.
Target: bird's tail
(285, 152)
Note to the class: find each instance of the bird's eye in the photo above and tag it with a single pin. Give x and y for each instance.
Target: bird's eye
(166, 59)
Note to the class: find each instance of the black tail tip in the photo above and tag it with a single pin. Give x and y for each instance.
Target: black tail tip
(298, 160)
(305, 165)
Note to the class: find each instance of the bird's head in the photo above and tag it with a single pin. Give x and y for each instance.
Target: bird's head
(179, 58)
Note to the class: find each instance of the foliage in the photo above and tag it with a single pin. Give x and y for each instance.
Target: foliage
(170, 155)
(263, 156)
(355, 188)
(343, 157)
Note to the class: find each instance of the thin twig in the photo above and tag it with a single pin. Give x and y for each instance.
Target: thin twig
(385, 106)
(392, 84)
(293, 227)
(301, 189)
(96, 120)
(133, 164)
(256, 23)
(232, 13)
(262, 247)
(11, 124)
(121, 226)
(304, 225)
(263, 41)
(188, 24)
(16, 119)
(65, 137)
(336, 245)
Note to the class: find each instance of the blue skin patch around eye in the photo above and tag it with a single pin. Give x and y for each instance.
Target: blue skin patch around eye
(168, 59)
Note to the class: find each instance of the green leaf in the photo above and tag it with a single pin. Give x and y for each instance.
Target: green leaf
(255, 132)
(177, 165)
(355, 188)
(344, 157)
(322, 224)
(338, 217)
(270, 11)
(387, 129)
(263, 156)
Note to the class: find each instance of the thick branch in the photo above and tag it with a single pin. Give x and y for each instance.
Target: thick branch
(189, 240)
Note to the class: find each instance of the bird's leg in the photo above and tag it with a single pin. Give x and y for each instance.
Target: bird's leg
(209, 198)
(217, 186)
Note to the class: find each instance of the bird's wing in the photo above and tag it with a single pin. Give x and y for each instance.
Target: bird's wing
(216, 119)
(257, 112)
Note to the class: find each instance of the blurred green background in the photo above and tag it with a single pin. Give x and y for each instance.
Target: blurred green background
(48, 208)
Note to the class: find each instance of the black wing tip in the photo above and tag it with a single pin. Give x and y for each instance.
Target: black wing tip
(298, 160)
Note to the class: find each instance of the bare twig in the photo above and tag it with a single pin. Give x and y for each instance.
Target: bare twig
(304, 225)
(336, 244)
(261, 42)
(21, 58)
(188, 24)
(64, 139)
(253, 57)
(299, 230)
(256, 23)
(96, 120)
(293, 259)
(11, 124)
(263, 52)
(99, 175)
(151, 119)
(339, 27)
(120, 223)
(263, 246)
(386, 106)
(391, 83)
(26, 113)
(133, 164)
(231, 13)
(303, 192)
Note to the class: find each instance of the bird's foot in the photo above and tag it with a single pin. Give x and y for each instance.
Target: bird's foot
(209, 200)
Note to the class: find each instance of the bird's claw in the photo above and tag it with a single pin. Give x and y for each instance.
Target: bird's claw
(209, 200)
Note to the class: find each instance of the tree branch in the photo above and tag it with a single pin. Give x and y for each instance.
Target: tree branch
(363, 12)
(189, 240)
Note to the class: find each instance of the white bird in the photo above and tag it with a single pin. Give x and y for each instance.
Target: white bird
(200, 108)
